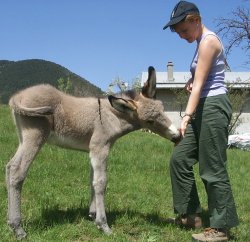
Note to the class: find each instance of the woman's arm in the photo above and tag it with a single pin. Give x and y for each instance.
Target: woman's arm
(209, 48)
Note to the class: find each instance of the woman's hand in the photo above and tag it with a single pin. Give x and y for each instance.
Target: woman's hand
(184, 124)
(189, 85)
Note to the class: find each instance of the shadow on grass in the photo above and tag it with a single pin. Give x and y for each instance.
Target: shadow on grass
(51, 216)
(55, 215)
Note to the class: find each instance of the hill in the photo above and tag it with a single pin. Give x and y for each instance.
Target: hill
(16, 75)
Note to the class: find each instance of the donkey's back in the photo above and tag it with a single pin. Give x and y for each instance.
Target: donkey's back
(62, 119)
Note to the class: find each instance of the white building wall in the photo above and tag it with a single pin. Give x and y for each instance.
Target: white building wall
(244, 126)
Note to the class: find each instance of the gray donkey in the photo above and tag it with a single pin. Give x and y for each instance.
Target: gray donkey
(44, 114)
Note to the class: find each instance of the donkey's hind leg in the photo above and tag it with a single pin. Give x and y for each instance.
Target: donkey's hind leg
(31, 136)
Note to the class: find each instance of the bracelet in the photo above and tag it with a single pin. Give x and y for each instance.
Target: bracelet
(187, 114)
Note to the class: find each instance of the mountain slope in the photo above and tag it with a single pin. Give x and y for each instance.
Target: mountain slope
(16, 75)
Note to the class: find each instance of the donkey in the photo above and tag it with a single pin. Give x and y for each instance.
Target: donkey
(44, 114)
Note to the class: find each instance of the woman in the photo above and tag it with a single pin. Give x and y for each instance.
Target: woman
(204, 128)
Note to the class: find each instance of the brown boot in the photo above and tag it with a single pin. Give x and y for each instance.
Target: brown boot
(211, 234)
(191, 221)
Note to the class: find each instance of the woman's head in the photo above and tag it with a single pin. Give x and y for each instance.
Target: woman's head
(185, 20)
(190, 18)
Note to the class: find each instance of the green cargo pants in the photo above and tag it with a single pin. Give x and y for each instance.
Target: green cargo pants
(205, 143)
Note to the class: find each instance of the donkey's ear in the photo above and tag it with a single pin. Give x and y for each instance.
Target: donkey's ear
(121, 104)
(149, 88)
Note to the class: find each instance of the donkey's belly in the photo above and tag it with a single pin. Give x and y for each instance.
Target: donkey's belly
(68, 142)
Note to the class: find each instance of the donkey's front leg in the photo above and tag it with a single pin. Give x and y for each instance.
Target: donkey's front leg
(98, 186)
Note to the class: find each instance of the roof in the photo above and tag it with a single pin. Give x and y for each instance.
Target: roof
(236, 79)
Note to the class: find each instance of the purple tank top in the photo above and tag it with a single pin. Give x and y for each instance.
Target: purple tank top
(215, 83)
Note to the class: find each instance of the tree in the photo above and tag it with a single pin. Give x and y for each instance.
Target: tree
(65, 85)
(181, 99)
(117, 83)
(136, 84)
(123, 86)
(236, 31)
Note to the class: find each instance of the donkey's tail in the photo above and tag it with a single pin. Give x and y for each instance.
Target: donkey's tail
(15, 104)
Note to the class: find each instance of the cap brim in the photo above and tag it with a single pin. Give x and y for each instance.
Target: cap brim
(174, 21)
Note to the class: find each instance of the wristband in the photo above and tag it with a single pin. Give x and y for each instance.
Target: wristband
(187, 114)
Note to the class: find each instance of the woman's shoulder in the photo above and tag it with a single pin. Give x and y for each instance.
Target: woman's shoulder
(210, 35)
(210, 44)
(210, 38)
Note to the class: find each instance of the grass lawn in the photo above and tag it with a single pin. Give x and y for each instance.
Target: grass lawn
(55, 195)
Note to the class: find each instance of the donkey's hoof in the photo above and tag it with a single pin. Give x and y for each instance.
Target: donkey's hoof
(20, 233)
(105, 228)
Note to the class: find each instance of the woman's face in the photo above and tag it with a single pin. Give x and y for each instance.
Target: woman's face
(187, 30)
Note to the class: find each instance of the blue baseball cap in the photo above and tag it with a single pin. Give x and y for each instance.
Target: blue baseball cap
(180, 11)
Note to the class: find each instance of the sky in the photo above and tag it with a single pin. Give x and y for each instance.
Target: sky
(103, 40)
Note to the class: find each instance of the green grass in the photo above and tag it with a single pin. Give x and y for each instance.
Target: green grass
(55, 195)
